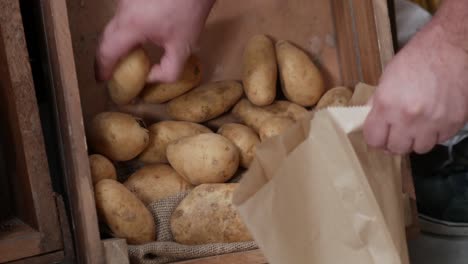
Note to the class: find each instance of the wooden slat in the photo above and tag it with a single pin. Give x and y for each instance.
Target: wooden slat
(18, 240)
(30, 179)
(346, 42)
(77, 176)
(116, 251)
(51, 258)
(250, 257)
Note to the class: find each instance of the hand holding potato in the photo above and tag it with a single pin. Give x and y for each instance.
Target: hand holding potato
(172, 25)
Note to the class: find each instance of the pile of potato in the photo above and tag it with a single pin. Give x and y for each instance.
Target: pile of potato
(183, 154)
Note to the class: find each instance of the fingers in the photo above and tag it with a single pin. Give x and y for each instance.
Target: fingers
(171, 64)
(425, 142)
(399, 140)
(115, 43)
(376, 129)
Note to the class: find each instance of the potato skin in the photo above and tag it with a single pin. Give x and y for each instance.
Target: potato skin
(163, 133)
(274, 126)
(129, 77)
(204, 158)
(126, 216)
(285, 108)
(205, 102)
(155, 182)
(260, 71)
(251, 115)
(207, 215)
(101, 168)
(302, 82)
(117, 136)
(162, 92)
(244, 138)
(337, 96)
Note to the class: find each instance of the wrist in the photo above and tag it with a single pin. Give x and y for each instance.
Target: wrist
(450, 25)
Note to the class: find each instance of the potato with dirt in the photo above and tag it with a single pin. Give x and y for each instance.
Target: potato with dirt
(283, 108)
(244, 138)
(129, 77)
(301, 81)
(274, 126)
(159, 93)
(204, 158)
(101, 168)
(205, 102)
(260, 71)
(251, 115)
(155, 182)
(163, 133)
(207, 215)
(125, 215)
(337, 96)
(118, 136)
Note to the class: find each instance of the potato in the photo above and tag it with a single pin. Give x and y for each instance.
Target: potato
(163, 133)
(155, 182)
(274, 126)
(117, 136)
(207, 215)
(260, 70)
(337, 96)
(129, 77)
(244, 138)
(284, 108)
(205, 102)
(301, 81)
(163, 92)
(101, 168)
(126, 216)
(204, 158)
(251, 115)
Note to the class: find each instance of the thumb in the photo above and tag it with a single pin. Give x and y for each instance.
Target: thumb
(171, 64)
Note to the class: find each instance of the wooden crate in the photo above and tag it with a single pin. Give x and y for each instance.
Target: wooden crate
(33, 223)
(351, 41)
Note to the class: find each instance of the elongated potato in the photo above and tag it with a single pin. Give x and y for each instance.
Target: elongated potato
(260, 71)
(163, 133)
(162, 92)
(244, 138)
(301, 80)
(129, 77)
(126, 216)
(117, 136)
(101, 168)
(337, 96)
(274, 126)
(207, 215)
(251, 115)
(204, 158)
(205, 102)
(284, 108)
(155, 182)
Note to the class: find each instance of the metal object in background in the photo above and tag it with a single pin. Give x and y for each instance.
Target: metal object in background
(441, 242)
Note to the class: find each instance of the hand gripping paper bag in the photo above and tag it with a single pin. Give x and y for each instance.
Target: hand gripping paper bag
(319, 194)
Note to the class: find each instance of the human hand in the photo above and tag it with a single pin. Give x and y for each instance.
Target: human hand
(172, 25)
(422, 98)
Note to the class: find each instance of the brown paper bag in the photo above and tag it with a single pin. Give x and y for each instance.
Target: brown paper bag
(318, 194)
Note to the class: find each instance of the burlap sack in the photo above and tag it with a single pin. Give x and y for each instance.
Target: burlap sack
(165, 250)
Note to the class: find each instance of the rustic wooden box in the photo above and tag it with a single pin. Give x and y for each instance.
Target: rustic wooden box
(33, 224)
(355, 44)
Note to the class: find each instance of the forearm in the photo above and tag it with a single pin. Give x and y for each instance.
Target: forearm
(451, 18)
